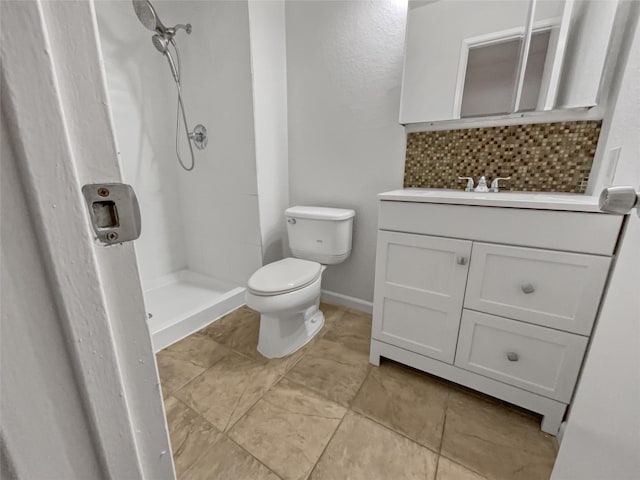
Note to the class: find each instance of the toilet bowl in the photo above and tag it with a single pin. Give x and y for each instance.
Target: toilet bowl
(287, 292)
(287, 295)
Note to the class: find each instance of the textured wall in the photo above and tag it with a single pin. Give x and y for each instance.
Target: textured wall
(544, 157)
(344, 62)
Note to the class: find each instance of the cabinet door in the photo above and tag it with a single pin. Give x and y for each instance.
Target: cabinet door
(420, 282)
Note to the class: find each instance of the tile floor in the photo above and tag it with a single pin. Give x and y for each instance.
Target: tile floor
(324, 413)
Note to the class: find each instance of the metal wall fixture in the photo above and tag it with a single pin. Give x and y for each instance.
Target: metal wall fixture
(114, 212)
(162, 39)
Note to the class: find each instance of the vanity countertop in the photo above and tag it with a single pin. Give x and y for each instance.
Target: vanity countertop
(540, 201)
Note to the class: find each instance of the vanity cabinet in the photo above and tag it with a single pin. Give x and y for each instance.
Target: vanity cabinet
(502, 300)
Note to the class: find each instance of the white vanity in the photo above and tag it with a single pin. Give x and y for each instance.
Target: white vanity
(496, 291)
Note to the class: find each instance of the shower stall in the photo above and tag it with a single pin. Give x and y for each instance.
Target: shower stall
(201, 236)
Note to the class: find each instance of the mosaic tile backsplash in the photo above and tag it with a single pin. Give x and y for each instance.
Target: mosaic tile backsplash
(543, 157)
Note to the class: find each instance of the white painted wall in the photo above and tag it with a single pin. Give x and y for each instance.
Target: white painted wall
(344, 63)
(269, 66)
(37, 370)
(53, 84)
(603, 432)
(142, 101)
(434, 37)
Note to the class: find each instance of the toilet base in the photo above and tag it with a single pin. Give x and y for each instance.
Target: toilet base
(286, 332)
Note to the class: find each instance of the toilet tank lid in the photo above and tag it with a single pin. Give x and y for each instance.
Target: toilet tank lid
(320, 213)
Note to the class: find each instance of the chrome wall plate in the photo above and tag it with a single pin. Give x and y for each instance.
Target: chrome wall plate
(114, 212)
(199, 137)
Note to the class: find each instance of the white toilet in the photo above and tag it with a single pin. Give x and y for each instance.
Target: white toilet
(287, 292)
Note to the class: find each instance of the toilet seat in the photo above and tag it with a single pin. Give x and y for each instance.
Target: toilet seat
(284, 276)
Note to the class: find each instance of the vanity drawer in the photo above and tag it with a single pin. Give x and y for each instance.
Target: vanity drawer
(556, 289)
(536, 359)
(554, 230)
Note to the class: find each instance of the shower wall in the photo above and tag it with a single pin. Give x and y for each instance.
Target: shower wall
(219, 199)
(205, 220)
(142, 100)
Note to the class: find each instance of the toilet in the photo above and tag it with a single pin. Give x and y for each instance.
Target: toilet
(287, 292)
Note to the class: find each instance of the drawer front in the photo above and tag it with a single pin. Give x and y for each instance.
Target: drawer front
(570, 231)
(536, 359)
(555, 289)
(419, 290)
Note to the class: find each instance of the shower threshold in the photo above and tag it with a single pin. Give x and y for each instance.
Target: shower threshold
(183, 302)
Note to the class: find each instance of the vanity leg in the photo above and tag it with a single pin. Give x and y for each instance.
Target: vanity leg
(552, 419)
(374, 355)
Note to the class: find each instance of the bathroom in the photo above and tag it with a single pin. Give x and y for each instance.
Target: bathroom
(363, 123)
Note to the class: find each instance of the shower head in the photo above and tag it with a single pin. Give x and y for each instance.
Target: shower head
(148, 16)
(162, 45)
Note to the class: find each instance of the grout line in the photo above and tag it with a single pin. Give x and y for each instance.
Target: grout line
(459, 463)
(250, 454)
(444, 422)
(366, 377)
(229, 426)
(386, 427)
(328, 443)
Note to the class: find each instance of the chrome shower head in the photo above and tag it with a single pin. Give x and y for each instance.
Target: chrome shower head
(162, 45)
(148, 16)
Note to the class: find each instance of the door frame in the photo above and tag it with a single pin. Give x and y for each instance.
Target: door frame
(55, 105)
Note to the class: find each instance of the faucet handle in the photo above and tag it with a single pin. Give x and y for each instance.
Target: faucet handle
(469, 187)
(495, 183)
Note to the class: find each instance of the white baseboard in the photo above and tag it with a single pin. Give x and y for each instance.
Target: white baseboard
(346, 301)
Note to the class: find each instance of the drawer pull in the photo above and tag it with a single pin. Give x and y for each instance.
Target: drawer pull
(528, 288)
(461, 260)
(512, 356)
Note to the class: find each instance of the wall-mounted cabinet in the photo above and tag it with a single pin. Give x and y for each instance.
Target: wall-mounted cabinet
(477, 58)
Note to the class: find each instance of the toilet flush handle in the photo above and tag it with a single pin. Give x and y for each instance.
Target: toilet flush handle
(292, 221)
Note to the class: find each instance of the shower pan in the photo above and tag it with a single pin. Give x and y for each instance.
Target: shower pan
(193, 251)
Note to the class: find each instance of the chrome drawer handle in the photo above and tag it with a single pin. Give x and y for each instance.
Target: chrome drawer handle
(512, 356)
(528, 288)
(461, 260)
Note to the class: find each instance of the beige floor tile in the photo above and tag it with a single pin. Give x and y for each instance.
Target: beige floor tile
(406, 401)
(191, 435)
(332, 370)
(288, 429)
(352, 330)
(224, 392)
(175, 372)
(197, 349)
(364, 450)
(239, 331)
(332, 314)
(227, 461)
(448, 470)
(496, 440)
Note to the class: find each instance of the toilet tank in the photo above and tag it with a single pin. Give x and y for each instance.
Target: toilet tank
(320, 234)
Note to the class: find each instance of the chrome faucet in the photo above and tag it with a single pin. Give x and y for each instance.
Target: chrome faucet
(482, 184)
(494, 183)
(469, 187)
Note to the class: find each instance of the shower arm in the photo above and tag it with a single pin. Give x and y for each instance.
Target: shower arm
(170, 32)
